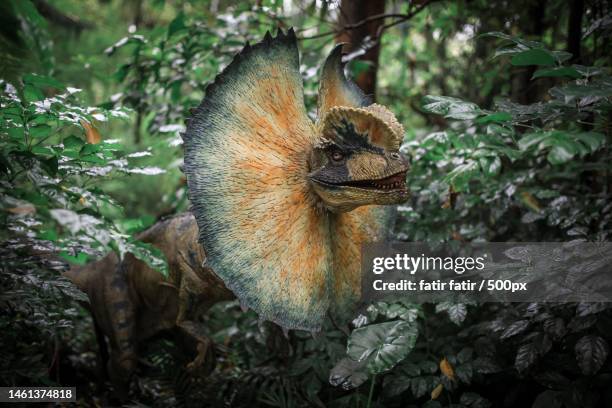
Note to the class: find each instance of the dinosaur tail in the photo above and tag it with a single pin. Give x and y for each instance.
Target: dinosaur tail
(84, 277)
(79, 275)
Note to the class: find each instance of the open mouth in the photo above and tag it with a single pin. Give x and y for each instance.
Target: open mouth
(394, 182)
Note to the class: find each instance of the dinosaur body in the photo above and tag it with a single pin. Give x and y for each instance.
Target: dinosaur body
(282, 204)
(131, 302)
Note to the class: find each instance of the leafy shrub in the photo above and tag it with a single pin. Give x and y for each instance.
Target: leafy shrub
(527, 172)
(53, 212)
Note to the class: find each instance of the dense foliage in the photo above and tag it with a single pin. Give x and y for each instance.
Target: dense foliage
(509, 137)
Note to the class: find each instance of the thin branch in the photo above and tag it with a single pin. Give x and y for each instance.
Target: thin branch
(347, 27)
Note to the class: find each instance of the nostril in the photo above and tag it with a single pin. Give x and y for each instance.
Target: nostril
(396, 156)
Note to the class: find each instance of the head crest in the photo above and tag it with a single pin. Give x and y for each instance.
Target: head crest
(374, 125)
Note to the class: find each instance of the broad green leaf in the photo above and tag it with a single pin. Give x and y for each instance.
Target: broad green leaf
(532, 139)
(585, 90)
(420, 386)
(557, 72)
(533, 57)
(461, 174)
(560, 154)
(79, 259)
(514, 39)
(439, 104)
(561, 56)
(43, 150)
(457, 313)
(451, 107)
(32, 94)
(385, 344)
(122, 72)
(591, 139)
(490, 165)
(525, 356)
(73, 142)
(495, 117)
(591, 353)
(509, 50)
(589, 71)
(90, 148)
(16, 133)
(42, 81)
(133, 225)
(40, 131)
(176, 25)
(92, 158)
(348, 374)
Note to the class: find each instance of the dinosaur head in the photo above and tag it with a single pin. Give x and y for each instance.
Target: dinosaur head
(357, 162)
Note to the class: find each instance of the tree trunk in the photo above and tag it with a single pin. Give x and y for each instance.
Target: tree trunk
(574, 29)
(353, 12)
(532, 25)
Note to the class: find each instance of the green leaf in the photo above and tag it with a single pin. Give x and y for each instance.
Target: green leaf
(591, 353)
(473, 400)
(461, 174)
(490, 165)
(533, 57)
(532, 139)
(514, 39)
(384, 344)
(560, 154)
(420, 386)
(133, 225)
(90, 148)
(509, 50)
(79, 259)
(122, 72)
(93, 158)
(585, 90)
(557, 72)
(40, 131)
(450, 107)
(457, 313)
(32, 94)
(589, 71)
(593, 140)
(16, 133)
(42, 81)
(176, 25)
(495, 117)
(73, 142)
(525, 357)
(348, 374)
(43, 150)
(562, 56)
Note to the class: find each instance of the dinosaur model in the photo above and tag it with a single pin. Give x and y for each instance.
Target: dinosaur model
(281, 206)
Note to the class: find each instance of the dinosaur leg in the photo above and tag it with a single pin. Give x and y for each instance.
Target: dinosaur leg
(204, 349)
(103, 356)
(121, 318)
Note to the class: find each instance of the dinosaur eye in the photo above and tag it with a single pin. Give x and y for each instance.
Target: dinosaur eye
(337, 156)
